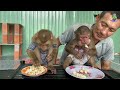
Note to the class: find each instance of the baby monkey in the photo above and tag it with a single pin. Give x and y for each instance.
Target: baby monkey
(43, 49)
(81, 49)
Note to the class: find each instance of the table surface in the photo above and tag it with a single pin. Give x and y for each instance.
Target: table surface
(61, 74)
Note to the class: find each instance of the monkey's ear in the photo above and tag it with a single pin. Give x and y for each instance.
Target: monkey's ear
(51, 36)
(76, 34)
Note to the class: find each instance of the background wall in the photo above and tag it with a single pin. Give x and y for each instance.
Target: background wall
(56, 21)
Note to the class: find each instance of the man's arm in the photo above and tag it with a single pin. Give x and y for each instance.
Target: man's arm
(104, 65)
(66, 36)
(108, 56)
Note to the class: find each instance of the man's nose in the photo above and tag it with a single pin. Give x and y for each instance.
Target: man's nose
(104, 31)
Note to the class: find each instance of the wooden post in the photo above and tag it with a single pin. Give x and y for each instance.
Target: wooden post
(5, 33)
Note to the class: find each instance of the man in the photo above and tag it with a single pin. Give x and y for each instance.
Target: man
(106, 25)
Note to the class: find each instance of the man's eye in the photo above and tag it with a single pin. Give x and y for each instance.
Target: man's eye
(112, 30)
(104, 25)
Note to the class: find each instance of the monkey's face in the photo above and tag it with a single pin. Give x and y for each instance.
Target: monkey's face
(84, 39)
(45, 46)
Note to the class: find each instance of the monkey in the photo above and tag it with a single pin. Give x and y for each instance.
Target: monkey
(81, 49)
(43, 50)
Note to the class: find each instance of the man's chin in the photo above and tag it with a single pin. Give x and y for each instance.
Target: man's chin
(99, 39)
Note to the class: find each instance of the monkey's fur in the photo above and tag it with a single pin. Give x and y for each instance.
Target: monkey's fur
(42, 37)
(70, 47)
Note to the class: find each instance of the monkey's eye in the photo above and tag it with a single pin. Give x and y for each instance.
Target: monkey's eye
(85, 37)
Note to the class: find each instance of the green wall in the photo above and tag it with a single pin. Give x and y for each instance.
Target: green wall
(56, 21)
(116, 39)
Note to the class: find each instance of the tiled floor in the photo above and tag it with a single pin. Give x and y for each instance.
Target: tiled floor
(9, 64)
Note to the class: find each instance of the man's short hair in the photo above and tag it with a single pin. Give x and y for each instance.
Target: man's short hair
(111, 12)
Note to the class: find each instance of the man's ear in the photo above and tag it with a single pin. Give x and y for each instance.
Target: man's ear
(97, 17)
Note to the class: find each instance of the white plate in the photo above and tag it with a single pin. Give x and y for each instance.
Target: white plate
(94, 72)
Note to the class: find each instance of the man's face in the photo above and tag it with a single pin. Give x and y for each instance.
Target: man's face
(105, 27)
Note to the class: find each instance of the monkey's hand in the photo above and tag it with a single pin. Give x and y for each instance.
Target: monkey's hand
(52, 69)
(87, 41)
(49, 58)
(78, 55)
(36, 63)
(86, 49)
(91, 61)
(91, 51)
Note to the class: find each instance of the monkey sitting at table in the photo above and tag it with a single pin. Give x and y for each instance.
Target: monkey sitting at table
(43, 49)
(81, 49)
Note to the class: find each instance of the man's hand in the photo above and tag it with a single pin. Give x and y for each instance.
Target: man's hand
(106, 64)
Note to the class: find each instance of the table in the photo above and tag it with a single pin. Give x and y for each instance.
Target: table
(61, 74)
